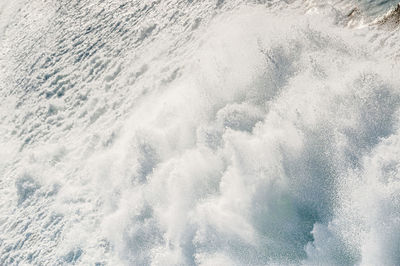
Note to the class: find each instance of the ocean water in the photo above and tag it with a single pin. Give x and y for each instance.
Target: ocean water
(376, 8)
(184, 132)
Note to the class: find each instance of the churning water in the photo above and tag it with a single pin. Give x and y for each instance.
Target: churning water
(185, 132)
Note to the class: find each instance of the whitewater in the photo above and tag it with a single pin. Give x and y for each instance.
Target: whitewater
(186, 132)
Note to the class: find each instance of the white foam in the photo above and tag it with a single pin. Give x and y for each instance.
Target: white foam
(275, 142)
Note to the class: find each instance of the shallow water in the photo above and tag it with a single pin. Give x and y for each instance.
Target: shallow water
(198, 133)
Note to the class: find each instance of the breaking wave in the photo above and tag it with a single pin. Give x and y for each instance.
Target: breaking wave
(198, 133)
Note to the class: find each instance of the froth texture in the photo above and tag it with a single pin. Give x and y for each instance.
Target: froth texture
(186, 133)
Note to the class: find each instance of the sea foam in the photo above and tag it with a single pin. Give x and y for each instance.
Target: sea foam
(267, 134)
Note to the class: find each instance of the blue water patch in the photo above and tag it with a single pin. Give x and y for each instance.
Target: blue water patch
(375, 8)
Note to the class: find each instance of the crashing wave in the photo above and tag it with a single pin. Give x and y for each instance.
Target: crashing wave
(198, 133)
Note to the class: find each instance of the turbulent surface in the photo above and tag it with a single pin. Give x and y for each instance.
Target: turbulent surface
(184, 132)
